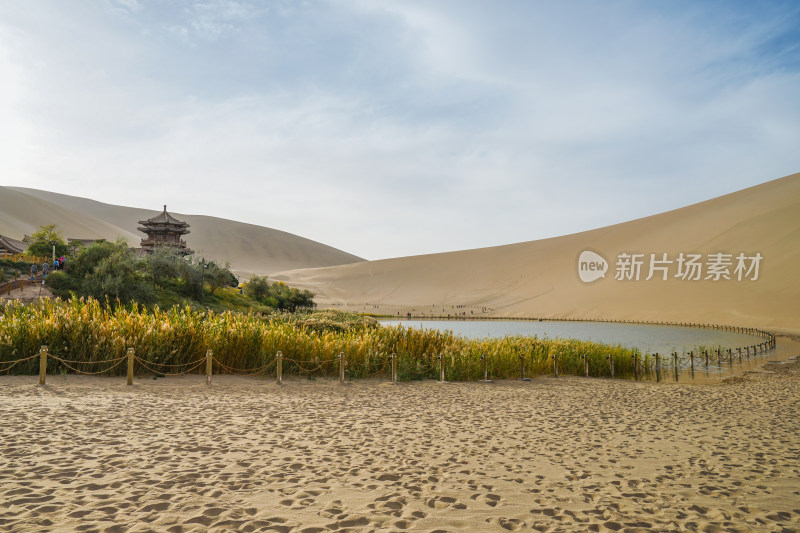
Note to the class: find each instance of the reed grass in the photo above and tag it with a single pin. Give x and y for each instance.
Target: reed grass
(87, 331)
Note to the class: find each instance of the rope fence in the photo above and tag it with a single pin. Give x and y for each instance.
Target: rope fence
(642, 365)
(429, 364)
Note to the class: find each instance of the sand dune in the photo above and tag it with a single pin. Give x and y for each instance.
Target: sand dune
(540, 278)
(249, 248)
(537, 278)
(89, 453)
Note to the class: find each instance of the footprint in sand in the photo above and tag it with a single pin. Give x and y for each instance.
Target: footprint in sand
(509, 524)
(443, 502)
(392, 504)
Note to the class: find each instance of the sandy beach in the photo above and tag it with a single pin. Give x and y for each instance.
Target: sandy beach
(244, 454)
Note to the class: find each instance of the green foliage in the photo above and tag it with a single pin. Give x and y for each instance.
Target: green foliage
(217, 276)
(88, 258)
(85, 330)
(229, 299)
(163, 264)
(103, 270)
(165, 277)
(257, 288)
(331, 321)
(62, 284)
(191, 275)
(41, 242)
(278, 295)
(119, 276)
(12, 269)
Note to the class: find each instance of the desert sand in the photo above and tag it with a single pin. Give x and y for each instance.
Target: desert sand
(540, 278)
(244, 454)
(530, 279)
(249, 248)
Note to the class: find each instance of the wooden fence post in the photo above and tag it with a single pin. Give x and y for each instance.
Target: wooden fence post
(485, 371)
(209, 365)
(522, 369)
(394, 367)
(675, 361)
(658, 367)
(441, 369)
(611, 360)
(555, 365)
(130, 366)
(341, 367)
(279, 357)
(585, 365)
(42, 365)
(636, 367)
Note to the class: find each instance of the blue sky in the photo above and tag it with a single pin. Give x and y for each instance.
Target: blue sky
(400, 127)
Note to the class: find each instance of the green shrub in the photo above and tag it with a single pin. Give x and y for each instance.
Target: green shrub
(61, 284)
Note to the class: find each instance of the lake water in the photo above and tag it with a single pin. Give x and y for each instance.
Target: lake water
(647, 338)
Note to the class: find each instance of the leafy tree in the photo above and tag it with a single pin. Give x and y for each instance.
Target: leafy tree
(278, 295)
(119, 276)
(164, 264)
(112, 270)
(41, 242)
(191, 275)
(257, 288)
(218, 276)
(88, 258)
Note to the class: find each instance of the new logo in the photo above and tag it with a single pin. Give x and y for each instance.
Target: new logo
(591, 266)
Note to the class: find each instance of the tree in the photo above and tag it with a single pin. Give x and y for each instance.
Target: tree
(192, 277)
(218, 276)
(119, 276)
(257, 288)
(164, 264)
(278, 295)
(88, 258)
(41, 242)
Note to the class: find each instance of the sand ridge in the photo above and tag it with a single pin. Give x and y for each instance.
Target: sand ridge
(566, 454)
(540, 278)
(249, 248)
(530, 279)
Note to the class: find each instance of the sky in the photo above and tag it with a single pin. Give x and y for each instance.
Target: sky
(394, 128)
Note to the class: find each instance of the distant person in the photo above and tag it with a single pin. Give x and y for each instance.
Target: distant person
(45, 269)
(34, 269)
(55, 264)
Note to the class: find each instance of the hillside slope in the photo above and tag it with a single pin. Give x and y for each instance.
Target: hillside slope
(249, 248)
(540, 278)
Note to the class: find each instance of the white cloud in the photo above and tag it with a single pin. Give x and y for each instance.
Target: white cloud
(403, 127)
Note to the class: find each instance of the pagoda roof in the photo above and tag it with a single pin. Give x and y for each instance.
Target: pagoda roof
(164, 219)
(164, 228)
(13, 245)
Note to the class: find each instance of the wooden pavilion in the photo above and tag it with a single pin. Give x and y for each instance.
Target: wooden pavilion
(164, 230)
